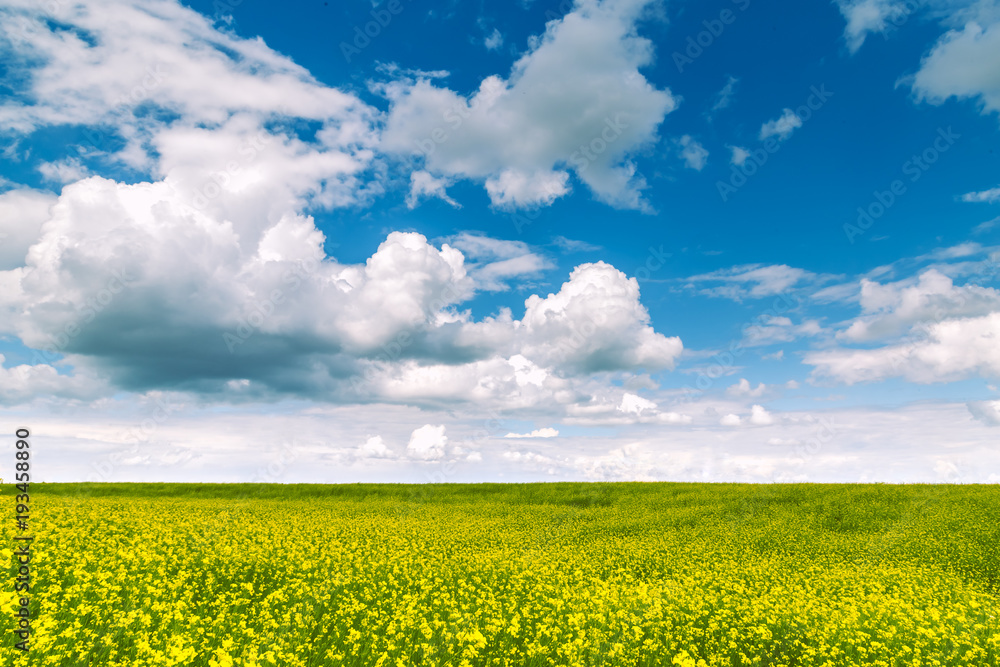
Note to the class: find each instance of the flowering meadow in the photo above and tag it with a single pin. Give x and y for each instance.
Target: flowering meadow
(539, 574)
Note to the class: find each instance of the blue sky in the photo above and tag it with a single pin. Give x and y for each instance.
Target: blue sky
(349, 241)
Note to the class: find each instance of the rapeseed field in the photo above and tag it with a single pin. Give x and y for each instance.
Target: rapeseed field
(692, 575)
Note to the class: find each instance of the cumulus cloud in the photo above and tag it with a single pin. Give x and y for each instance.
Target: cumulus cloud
(782, 126)
(744, 388)
(695, 155)
(634, 404)
(22, 213)
(892, 309)
(374, 448)
(942, 352)
(760, 417)
(265, 305)
(576, 100)
(427, 443)
(514, 188)
(731, 420)
(595, 322)
(739, 156)
(26, 382)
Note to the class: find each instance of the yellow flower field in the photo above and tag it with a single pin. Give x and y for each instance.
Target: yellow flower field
(556, 574)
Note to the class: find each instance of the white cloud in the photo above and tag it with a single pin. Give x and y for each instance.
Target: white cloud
(574, 245)
(423, 185)
(782, 127)
(740, 155)
(962, 64)
(495, 262)
(537, 433)
(427, 442)
(760, 417)
(988, 196)
(164, 56)
(894, 308)
(374, 448)
(695, 155)
(984, 227)
(595, 322)
(751, 281)
(576, 100)
(770, 329)
(866, 16)
(494, 40)
(264, 303)
(22, 213)
(725, 96)
(987, 412)
(25, 383)
(634, 404)
(945, 351)
(63, 171)
(731, 420)
(743, 388)
(513, 188)
(776, 356)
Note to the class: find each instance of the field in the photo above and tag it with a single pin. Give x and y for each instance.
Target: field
(564, 574)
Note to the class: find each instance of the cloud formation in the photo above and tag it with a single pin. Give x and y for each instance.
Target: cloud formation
(575, 101)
